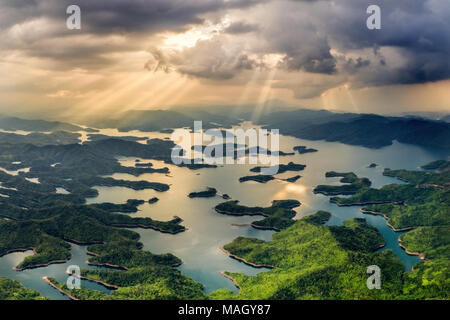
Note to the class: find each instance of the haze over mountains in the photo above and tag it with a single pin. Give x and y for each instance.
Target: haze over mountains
(368, 130)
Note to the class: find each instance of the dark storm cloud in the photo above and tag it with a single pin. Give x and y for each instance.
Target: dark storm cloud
(418, 29)
(111, 16)
(314, 36)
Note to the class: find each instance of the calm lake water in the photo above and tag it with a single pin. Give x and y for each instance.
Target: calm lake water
(199, 246)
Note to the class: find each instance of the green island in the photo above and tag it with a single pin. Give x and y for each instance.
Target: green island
(277, 217)
(129, 207)
(261, 178)
(352, 185)
(210, 192)
(304, 149)
(153, 200)
(282, 168)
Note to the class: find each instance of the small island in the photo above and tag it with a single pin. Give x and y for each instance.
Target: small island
(153, 200)
(372, 165)
(292, 179)
(258, 178)
(353, 184)
(282, 168)
(278, 216)
(209, 193)
(304, 149)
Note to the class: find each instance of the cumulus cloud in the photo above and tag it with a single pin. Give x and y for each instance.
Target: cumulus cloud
(326, 41)
(209, 59)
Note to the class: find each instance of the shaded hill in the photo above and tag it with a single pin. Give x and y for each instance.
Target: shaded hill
(157, 120)
(372, 131)
(13, 124)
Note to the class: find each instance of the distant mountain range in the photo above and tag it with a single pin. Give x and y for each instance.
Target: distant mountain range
(159, 120)
(14, 123)
(368, 130)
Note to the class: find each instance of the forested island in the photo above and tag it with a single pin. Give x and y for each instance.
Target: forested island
(278, 216)
(210, 192)
(281, 168)
(352, 184)
(304, 149)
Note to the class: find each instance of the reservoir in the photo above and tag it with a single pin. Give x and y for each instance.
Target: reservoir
(199, 246)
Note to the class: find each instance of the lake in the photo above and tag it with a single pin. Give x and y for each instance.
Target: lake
(199, 246)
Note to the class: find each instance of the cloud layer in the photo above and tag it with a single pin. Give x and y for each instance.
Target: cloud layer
(305, 46)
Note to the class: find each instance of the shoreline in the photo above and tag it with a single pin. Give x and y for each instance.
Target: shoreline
(232, 279)
(45, 278)
(239, 214)
(106, 265)
(34, 266)
(106, 285)
(419, 254)
(254, 265)
(142, 226)
(365, 203)
(255, 226)
(375, 213)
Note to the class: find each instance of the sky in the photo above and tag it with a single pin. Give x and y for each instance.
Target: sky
(154, 54)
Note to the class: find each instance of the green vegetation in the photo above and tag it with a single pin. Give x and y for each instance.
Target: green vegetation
(352, 185)
(128, 207)
(210, 192)
(140, 275)
(423, 201)
(45, 230)
(25, 235)
(278, 216)
(14, 290)
(315, 262)
(319, 262)
(423, 205)
(320, 217)
(432, 242)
